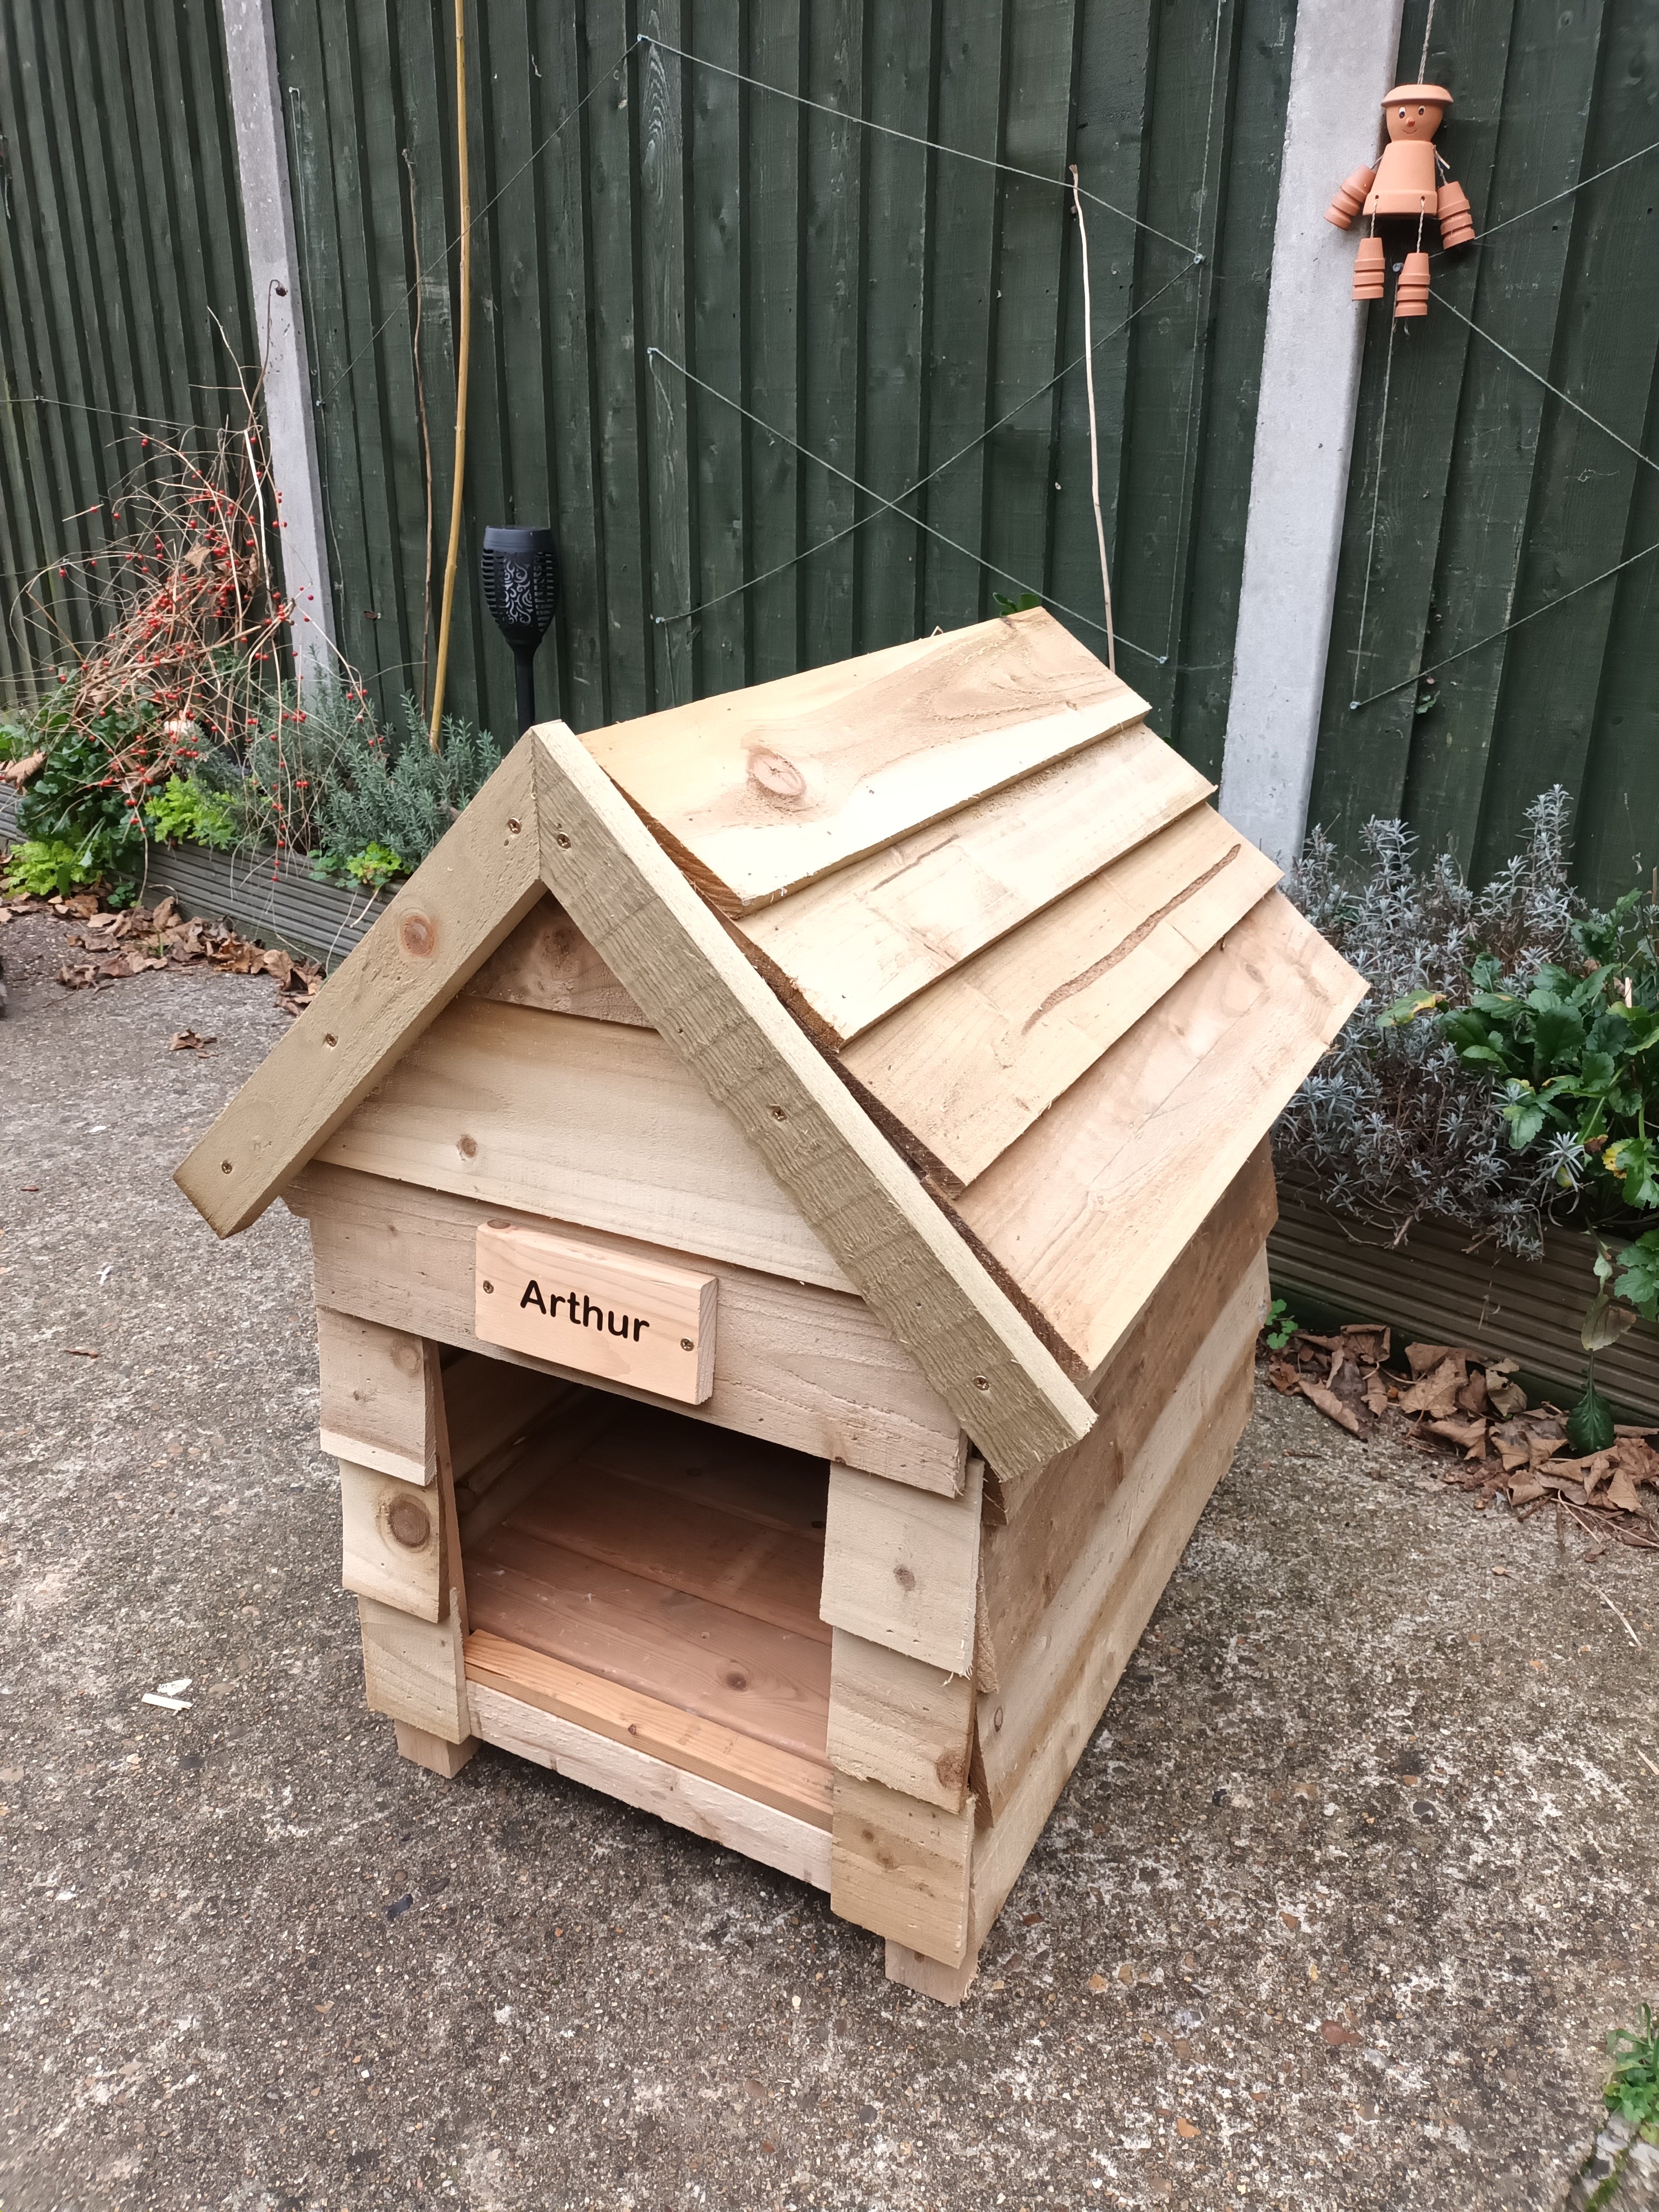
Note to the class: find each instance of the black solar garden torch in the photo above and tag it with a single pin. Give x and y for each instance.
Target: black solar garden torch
(519, 572)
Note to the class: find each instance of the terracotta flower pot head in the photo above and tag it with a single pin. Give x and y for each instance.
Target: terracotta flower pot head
(1416, 111)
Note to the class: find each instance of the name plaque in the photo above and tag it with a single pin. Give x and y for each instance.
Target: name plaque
(600, 1312)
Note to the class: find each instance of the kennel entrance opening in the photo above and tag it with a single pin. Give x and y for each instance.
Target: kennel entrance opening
(645, 1575)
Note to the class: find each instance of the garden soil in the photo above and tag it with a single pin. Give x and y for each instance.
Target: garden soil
(1336, 1912)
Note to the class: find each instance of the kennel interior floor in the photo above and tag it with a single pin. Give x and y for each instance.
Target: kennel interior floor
(657, 1579)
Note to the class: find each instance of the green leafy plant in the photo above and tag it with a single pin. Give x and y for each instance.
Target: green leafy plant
(1632, 2090)
(1023, 604)
(76, 801)
(1639, 1277)
(372, 868)
(45, 867)
(183, 812)
(1280, 1325)
(1577, 1060)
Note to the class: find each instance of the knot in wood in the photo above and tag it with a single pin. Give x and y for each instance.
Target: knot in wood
(778, 777)
(409, 1523)
(904, 1578)
(467, 1147)
(417, 936)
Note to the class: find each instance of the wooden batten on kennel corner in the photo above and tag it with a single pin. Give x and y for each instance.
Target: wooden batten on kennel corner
(788, 1184)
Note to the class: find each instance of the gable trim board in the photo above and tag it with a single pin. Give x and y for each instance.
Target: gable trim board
(677, 960)
(465, 898)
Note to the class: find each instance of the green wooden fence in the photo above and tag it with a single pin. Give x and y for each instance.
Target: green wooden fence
(878, 303)
(662, 247)
(1483, 497)
(120, 240)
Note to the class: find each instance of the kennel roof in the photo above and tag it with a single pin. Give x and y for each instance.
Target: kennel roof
(956, 940)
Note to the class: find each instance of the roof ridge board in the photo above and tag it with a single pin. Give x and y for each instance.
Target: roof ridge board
(846, 949)
(675, 957)
(471, 892)
(749, 823)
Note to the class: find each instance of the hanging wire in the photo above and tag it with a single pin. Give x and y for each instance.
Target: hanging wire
(1422, 63)
(885, 504)
(868, 491)
(1555, 390)
(1567, 399)
(1555, 198)
(507, 183)
(1549, 606)
(1376, 496)
(930, 145)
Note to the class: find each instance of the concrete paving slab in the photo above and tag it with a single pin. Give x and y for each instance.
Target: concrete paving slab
(1336, 1912)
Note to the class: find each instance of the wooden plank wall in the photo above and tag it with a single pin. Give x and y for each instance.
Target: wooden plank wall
(1496, 497)
(882, 304)
(120, 240)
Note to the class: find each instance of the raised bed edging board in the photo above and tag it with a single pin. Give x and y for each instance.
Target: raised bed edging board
(267, 895)
(1434, 1290)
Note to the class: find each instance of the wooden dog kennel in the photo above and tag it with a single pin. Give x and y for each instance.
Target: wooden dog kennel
(788, 1184)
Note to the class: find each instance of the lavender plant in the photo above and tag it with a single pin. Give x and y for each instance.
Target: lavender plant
(1393, 1125)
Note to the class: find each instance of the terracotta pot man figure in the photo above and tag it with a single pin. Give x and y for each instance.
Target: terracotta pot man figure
(1411, 184)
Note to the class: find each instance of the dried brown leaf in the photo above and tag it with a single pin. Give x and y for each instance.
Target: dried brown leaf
(1471, 1395)
(1436, 1392)
(1470, 1437)
(1620, 1493)
(1637, 1460)
(1330, 1405)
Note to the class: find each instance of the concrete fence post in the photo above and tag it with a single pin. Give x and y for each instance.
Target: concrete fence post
(1343, 64)
(279, 313)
